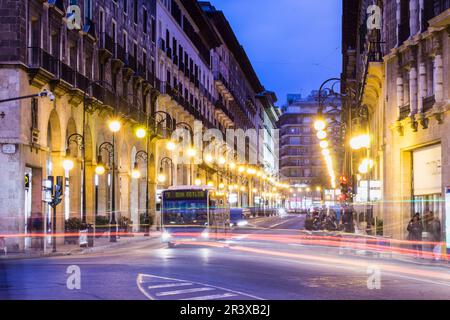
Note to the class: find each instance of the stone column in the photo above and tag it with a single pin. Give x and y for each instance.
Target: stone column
(413, 90)
(438, 78)
(422, 82)
(414, 17)
(421, 9)
(75, 190)
(398, 18)
(90, 192)
(400, 100)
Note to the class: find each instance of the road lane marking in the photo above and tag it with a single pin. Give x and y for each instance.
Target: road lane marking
(213, 297)
(177, 292)
(145, 279)
(170, 285)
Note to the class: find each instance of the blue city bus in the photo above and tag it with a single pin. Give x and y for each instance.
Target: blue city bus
(194, 213)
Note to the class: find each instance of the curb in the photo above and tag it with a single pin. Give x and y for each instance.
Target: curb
(77, 251)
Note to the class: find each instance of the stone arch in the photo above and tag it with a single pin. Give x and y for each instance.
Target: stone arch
(89, 146)
(54, 133)
(71, 129)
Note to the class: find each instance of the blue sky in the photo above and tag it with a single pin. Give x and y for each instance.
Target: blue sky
(294, 45)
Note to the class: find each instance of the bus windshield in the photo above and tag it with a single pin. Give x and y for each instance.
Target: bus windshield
(185, 212)
(185, 207)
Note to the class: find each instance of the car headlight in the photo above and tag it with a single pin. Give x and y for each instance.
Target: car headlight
(166, 236)
(242, 223)
(205, 234)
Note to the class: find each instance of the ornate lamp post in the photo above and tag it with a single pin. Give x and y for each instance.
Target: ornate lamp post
(100, 170)
(161, 175)
(143, 156)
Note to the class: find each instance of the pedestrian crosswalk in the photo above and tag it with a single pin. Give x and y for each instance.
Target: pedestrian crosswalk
(163, 288)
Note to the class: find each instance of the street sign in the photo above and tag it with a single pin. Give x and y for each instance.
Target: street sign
(9, 148)
(83, 237)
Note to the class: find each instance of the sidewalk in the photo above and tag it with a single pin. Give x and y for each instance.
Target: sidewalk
(100, 244)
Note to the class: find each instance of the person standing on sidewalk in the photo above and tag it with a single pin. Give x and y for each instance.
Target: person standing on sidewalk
(434, 229)
(415, 229)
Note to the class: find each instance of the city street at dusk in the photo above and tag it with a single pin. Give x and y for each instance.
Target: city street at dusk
(242, 268)
(259, 151)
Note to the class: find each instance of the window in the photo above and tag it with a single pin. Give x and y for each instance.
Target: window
(125, 42)
(144, 22)
(125, 6)
(153, 26)
(135, 11)
(88, 9)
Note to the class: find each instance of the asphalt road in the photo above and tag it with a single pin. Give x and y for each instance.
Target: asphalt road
(257, 263)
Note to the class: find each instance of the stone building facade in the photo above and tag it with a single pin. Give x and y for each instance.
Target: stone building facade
(407, 95)
(131, 60)
(301, 161)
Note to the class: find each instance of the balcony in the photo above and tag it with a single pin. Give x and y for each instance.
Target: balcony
(404, 112)
(57, 6)
(150, 78)
(220, 107)
(169, 52)
(118, 60)
(130, 66)
(43, 67)
(140, 73)
(106, 48)
(162, 44)
(428, 103)
(181, 66)
(222, 85)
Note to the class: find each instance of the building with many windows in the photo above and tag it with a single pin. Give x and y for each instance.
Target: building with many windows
(133, 72)
(301, 161)
(401, 74)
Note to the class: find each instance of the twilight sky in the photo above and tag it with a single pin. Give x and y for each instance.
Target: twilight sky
(294, 45)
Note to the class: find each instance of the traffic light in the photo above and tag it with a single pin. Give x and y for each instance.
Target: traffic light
(50, 186)
(27, 181)
(344, 185)
(59, 187)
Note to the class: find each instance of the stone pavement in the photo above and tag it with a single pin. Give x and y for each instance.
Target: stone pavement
(100, 244)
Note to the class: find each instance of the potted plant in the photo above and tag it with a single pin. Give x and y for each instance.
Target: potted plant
(124, 224)
(101, 225)
(72, 226)
(144, 224)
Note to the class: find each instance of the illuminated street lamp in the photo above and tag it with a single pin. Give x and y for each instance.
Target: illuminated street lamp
(191, 152)
(359, 142)
(161, 176)
(68, 164)
(319, 125)
(141, 132)
(322, 135)
(114, 126)
(135, 173)
(324, 144)
(170, 145)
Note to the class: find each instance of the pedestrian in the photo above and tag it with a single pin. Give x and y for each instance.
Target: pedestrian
(415, 229)
(434, 229)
